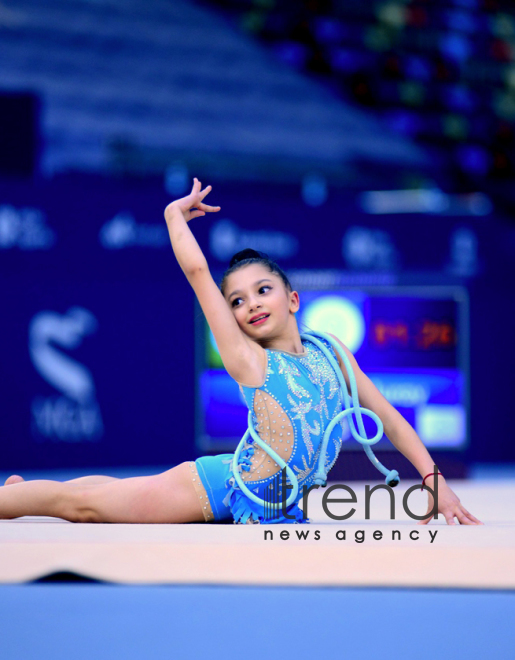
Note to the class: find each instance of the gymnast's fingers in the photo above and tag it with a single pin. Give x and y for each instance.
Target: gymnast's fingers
(205, 192)
(196, 214)
(463, 519)
(425, 520)
(206, 207)
(473, 520)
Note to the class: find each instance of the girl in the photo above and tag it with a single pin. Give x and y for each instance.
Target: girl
(288, 384)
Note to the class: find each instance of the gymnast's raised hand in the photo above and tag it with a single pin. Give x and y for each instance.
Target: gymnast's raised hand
(192, 206)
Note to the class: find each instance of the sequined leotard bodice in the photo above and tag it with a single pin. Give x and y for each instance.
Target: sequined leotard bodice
(290, 411)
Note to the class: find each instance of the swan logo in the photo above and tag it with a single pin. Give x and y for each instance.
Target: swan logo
(73, 415)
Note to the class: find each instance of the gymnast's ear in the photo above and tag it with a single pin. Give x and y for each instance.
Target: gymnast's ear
(294, 301)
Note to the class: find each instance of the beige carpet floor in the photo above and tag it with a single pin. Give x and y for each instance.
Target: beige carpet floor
(354, 552)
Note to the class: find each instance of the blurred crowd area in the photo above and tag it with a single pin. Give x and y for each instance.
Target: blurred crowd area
(441, 72)
(132, 86)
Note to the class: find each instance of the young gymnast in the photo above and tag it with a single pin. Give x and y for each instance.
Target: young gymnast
(292, 390)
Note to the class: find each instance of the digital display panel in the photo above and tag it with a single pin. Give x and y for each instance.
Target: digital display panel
(412, 342)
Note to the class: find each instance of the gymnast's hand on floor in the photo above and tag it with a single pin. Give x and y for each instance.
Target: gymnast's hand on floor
(192, 205)
(450, 506)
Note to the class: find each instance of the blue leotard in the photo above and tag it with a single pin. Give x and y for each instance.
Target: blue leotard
(290, 412)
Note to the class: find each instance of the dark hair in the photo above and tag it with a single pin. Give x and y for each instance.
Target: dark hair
(246, 258)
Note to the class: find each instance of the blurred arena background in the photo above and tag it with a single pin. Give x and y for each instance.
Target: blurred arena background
(368, 146)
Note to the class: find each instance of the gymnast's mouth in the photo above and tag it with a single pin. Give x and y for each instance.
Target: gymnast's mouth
(259, 319)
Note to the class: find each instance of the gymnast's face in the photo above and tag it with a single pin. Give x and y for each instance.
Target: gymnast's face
(253, 292)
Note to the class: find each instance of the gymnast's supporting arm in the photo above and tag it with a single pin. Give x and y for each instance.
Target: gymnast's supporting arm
(400, 433)
(404, 437)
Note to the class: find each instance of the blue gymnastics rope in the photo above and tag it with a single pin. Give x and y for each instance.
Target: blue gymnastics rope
(320, 478)
(392, 476)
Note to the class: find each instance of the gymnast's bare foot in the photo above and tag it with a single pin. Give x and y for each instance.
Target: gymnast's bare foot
(13, 479)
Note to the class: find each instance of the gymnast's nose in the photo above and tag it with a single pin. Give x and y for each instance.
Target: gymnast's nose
(253, 304)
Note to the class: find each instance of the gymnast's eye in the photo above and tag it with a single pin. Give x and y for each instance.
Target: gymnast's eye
(235, 303)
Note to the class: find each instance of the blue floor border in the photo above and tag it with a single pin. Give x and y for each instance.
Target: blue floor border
(215, 622)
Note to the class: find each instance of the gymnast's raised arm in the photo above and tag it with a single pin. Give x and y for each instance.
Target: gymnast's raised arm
(239, 354)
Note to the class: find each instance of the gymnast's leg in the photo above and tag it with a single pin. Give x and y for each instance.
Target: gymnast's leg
(93, 479)
(169, 497)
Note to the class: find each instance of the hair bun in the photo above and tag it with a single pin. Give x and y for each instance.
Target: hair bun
(247, 253)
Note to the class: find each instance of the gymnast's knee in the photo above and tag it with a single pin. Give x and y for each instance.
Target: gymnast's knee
(77, 505)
